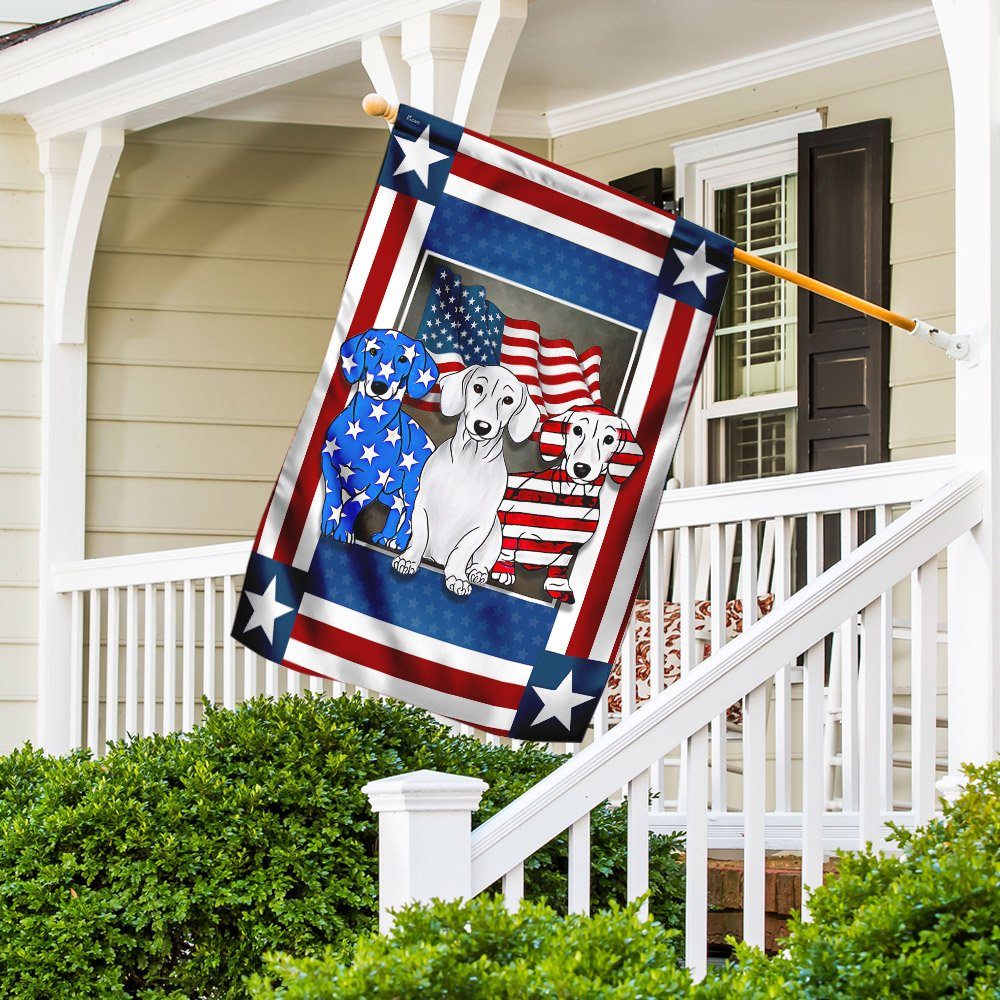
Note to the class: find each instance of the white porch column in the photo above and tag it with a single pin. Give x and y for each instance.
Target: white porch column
(451, 65)
(971, 33)
(78, 173)
(425, 838)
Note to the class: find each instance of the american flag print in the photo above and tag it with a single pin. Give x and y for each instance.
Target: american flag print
(378, 596)
(461, 326)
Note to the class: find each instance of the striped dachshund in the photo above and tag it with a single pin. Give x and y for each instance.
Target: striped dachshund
(546, 517)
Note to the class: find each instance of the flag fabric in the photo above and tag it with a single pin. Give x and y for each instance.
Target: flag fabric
(460, 326)
(481, 561)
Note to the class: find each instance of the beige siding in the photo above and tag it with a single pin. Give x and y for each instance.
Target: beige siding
(908, 84)
(219, 269)
(21, 221)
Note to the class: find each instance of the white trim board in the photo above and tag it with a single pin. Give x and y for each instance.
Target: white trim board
(747, 71)
(811, 53)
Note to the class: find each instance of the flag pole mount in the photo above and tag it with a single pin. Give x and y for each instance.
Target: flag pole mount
(955, 346)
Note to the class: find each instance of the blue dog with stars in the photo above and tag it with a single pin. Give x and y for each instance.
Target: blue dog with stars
(374, 450)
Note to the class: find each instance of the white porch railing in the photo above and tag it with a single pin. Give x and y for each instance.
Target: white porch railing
(150, 632)
(859, 584)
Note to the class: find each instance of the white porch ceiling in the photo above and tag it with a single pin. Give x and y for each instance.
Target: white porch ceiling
(581, 62)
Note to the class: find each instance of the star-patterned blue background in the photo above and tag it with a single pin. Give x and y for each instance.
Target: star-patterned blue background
(487, 621)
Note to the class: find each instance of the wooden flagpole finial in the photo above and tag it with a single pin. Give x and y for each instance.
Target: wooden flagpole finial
(378, 107)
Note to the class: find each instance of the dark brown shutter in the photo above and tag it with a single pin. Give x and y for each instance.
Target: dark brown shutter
(843, 358)
(647, 185)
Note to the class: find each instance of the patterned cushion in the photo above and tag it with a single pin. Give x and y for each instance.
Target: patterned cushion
(672, 648)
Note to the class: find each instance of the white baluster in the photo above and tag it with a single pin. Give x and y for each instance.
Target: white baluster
(293, 681)
(578, 880)
(886, 690)
(685, 598)
(628, 665)
(754, 760)
(228, 644)
(208, 639)
(923, 685)
(271, 679)
(637, 841)
(513, 887)
(169, 658)
(76, 670)
(719, 593)
(812, 734)
(696, 856)
(869, 753)
(656, 579)
(249, 673)
(782, 679)
(131, 661)
(94, 671)
(111, 687)
(187, 658)
(149, 661)
(849, 679)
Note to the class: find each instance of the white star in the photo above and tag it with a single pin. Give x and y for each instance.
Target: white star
(392, 435)
(384, 476)
(346, 472)
(354, 428)
(418, 155)
(378, 411)
(696, 268)
(369, 454)
(385, 370)
(407, 461)
(360, 498)
(429, 445)
(370, 343)
(266, 610)
(331, 447)
(410, 352)
(558, 703)
(335, 513)
(348, 364)
(397, 503)
(425, 377)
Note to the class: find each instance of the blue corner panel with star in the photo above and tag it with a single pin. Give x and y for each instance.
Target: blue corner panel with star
(560, 698)
(268, 605)
(419, 144)
(696, 267)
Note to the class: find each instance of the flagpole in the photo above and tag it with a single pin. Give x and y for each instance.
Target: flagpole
(956, 347)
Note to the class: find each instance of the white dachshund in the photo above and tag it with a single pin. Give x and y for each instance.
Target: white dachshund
(455, 513)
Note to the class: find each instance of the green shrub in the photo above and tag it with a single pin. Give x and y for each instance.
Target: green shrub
(924, 924)
(168, 867)
(479, 951)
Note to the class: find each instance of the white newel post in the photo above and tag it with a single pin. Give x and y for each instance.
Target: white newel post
(425, 838)
(78, 171)
(971, 33)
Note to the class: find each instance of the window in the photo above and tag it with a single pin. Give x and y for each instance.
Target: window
(743, 184)
(754, 349)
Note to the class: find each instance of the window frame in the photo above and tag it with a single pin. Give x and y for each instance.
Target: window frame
(703, 166)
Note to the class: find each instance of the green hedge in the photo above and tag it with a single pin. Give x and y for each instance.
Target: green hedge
(168, 867)
(479, 951)
(924, 924)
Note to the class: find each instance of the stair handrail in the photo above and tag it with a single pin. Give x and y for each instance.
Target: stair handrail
(674, 715)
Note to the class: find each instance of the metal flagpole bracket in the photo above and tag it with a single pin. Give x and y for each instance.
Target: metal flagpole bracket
(954, 345)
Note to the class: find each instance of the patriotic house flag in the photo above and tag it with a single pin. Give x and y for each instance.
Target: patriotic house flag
(462, 515)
